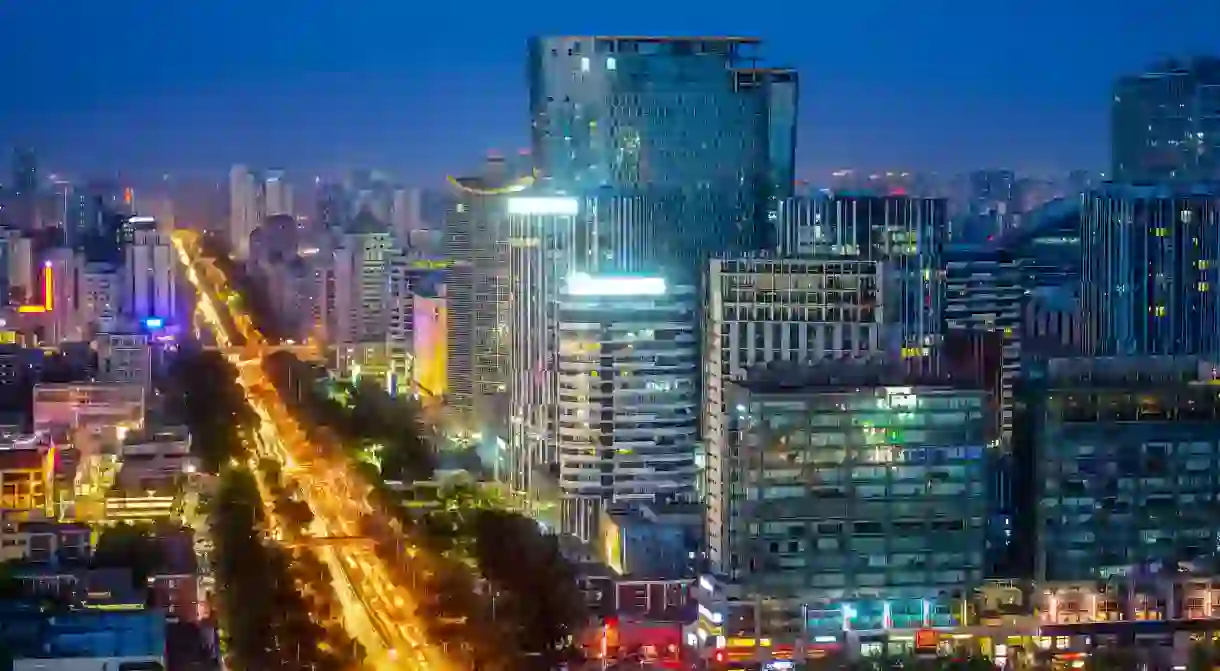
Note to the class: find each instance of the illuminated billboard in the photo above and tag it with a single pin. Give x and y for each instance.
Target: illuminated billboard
(583, 284)
(555, 206)
(48, 292)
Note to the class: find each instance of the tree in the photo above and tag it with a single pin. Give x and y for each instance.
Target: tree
(1204, 656)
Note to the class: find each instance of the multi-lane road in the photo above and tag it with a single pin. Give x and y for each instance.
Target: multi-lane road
(378, 612)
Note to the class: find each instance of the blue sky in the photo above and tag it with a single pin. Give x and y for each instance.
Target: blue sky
(151, 86)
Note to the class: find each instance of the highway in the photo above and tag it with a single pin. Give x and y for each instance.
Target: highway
(377, 611)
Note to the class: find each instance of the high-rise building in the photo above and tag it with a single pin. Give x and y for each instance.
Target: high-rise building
(24, 189)
(277, 195)
(1126, 474)
(99, 298)
(149, 287)
(771, 310)
(244, 215)
(361, 265)
(476, 244)
(124, 358)
(1165, 123)
(1151, 267)
(694, 122)
(906, 233)
(406, 215)
(626, 394)
(856, 503)
(985, 292)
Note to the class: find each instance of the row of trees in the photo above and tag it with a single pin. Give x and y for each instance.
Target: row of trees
(521, 606)
(271, 598)
(269, 604)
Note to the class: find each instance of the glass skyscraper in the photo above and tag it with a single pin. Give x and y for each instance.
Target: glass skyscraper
(1149, 270)
(1165, 123)
(693, 123)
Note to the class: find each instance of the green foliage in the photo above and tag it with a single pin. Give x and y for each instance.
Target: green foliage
(212, 405)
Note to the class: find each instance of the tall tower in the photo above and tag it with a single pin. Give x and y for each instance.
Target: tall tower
(693, 121)
(148, 285)
(1151, 255)
(1165, 123)
(278, 194)
(25, 188)
(243, 210)
(476, 244)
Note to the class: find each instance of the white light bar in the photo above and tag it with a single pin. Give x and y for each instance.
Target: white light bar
(583, 284)
(560, 206)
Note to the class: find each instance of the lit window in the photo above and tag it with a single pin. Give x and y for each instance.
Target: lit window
(584, 63)
(611, 64)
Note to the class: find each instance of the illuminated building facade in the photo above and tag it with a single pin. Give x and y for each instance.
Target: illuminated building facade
(1164, 123)
(429, 335)
(27, 471)
(124, 358)
(149, 286)
(88, 404)
(1126, 458)
(858, 502)
(906, 233)
(476, 244)
(541, 233)
(1151, 265)
(985, 292)
(627, 396)
(692, 120)
(763, 310)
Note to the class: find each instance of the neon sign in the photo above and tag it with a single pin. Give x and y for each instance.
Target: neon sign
(48, 292)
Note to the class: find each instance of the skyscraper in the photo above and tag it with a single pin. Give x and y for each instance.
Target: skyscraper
(694, 122)
(25, 188)
(243, 210)
(476, 244)
(277, 194)
(1151, 267)
(1165, 123)
(904, 232)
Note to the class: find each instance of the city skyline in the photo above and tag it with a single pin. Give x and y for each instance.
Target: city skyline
(1029, 91)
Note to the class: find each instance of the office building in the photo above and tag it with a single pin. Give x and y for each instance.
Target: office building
(905, 233)
(1165, 123)
(361, 266)
(1126, 477)
(277, 195)
(1151, 265)
(853, 500)
(244, 211)
(764, 310)
(406, 215)
(985, 292)
(476, 244)
(124, 358)
(693, 121)
(148, 275)
(430, 317)
(626, 397)
(99, 298)
(27, 469)
(24, 188)
(541, 236)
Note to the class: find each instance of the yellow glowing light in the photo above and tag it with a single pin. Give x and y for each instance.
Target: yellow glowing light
(47, 293)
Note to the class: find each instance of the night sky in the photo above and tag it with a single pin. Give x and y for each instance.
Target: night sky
(421, 89)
